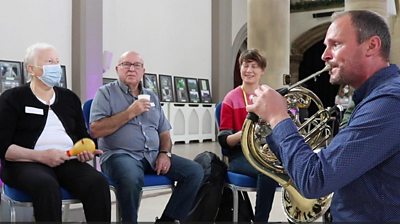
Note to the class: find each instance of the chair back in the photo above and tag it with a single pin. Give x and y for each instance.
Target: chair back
(86, 112)
(86, 115)
(225, 152)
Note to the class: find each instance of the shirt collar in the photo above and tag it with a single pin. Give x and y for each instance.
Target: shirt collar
(375, 80)
(126, 89)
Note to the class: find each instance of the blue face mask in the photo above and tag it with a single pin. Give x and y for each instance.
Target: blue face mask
(51, 75)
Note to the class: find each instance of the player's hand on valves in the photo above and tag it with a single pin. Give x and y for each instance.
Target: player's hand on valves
(269, 105)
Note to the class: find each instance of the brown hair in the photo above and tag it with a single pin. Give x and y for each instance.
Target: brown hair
(253, 55)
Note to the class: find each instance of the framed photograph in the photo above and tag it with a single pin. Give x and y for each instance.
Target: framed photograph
(150, 82)
(193, 90)
(108, 80)
(25, 73)
(11, 75)
(63, 81)
(181, 91)
(166, 91)
(204, 87)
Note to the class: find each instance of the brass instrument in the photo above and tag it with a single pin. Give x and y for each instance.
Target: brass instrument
(316, 133)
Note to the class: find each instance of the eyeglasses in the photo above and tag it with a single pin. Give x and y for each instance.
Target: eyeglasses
(128, 65)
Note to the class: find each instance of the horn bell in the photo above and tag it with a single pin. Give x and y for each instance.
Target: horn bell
(316, 132)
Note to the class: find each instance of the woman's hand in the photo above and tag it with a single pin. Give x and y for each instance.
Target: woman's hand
(86, 156)
(52, 157)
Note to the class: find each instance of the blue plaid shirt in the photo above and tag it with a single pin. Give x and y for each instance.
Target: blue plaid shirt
(362, 163)
(139, 137)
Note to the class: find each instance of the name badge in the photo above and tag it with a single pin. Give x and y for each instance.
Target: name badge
(33, 110)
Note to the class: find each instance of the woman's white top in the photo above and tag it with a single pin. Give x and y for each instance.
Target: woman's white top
(54, 135)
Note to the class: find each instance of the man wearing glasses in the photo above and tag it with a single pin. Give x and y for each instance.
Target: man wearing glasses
(134, 134)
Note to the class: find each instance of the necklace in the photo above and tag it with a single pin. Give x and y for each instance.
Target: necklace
(244, 95)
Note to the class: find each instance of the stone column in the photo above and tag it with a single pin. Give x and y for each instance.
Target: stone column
(87, 47)
(395, 28)
(268, 27)
(222, 67)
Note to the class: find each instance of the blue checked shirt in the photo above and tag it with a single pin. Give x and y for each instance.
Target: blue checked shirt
(139, 137)
(362, 163)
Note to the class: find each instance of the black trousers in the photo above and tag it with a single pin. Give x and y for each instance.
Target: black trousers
(43, 184)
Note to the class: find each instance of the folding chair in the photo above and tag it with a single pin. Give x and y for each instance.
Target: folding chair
(18, 198)
(235, 181)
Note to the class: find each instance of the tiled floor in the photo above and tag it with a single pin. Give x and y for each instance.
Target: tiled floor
(153, 202)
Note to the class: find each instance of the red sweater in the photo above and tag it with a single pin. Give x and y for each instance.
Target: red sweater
(233, 110)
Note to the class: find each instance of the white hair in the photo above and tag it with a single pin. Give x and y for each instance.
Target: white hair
(32, 52)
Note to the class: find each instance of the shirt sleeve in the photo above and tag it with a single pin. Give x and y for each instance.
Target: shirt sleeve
(226, 125)
(226, 118)
(100, 106)
(8, 122)
(370, 138)
(163, 124)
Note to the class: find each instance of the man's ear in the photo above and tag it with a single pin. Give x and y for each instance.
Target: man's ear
(374, 45)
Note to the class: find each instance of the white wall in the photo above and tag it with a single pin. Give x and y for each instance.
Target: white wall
(173, 36)
(25, 22)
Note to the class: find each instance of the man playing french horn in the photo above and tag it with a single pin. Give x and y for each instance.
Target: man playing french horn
(361, 164)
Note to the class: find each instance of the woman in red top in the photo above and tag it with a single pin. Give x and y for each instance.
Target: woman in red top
(233, 114)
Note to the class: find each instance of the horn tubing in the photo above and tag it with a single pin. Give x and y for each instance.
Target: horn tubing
(326, 68)
(283, 91)
(297, 208)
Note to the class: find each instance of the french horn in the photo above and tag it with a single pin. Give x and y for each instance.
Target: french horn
(316, 132)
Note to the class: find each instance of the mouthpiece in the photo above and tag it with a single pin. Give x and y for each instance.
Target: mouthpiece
(326, 68)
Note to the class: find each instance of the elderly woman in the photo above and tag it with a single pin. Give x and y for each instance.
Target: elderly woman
(38, 123)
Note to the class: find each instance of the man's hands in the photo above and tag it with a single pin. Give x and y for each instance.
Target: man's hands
(138, 107)
(163, 163)
(108, 125)
(269, 105)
